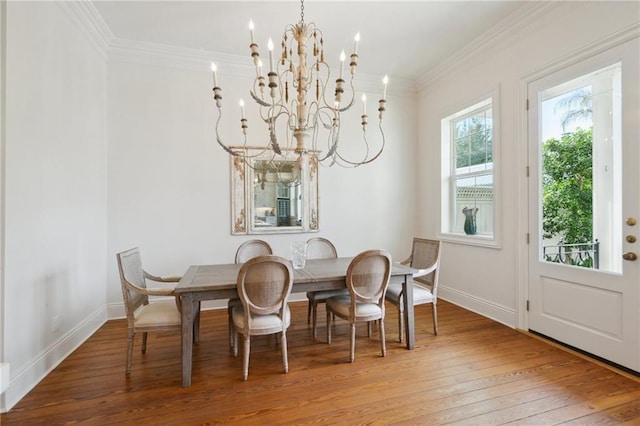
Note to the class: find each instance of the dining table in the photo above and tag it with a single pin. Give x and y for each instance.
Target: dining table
(211, 282)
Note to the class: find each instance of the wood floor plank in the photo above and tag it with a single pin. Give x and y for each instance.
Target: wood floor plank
(476, 371)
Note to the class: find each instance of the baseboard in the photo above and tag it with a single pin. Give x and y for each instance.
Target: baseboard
(499, 313)
(4, 376)
(22, 382)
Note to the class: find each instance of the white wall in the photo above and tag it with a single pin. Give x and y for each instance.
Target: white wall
(486, 279)
(55, 192)
(169, 183)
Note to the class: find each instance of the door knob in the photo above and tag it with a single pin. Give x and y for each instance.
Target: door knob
(630, 256)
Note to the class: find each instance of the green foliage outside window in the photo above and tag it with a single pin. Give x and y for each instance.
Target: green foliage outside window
(473, 141)
(567, 191)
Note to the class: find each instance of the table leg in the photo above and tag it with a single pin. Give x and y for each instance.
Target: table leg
(409, 326)
(188, 316)
(196, 324)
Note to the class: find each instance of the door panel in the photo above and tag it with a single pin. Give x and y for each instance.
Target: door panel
(590, 304)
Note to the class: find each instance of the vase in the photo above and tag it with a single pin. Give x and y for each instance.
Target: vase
(470, 220)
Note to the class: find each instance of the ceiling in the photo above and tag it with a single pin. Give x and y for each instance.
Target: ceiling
(405, 39)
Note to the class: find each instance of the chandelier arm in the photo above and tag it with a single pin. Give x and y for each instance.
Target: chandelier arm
(323, 85)
(219, 140)
(271, 121)
(353, 96)
(367, 161)
(258, 100)
(331, 147)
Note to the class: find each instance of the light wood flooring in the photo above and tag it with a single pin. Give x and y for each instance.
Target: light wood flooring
(475, 372)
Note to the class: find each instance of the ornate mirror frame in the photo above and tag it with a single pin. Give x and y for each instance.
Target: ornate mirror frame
(244, 179)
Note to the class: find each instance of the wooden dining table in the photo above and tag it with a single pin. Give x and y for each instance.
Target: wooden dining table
(210, 282)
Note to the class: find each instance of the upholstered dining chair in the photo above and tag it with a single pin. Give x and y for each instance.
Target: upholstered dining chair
(247, 250)
(143, 316)
(252, 248)
(367, 281)
(264, 285)
(320, 248)
(425, 257)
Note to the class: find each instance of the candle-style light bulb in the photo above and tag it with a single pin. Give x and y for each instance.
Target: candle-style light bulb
(251, 28)
(364, 104)
(342, 58)
(215, 78)
(357, 40)
(242, 108)
(385, 81)
(270, 47)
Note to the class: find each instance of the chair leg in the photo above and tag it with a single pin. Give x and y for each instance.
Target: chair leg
(314, 312)
(144, 342)
(369, 328)
(329, 320)
(231, 327)
(383, 344)
(400, 322)
(285, 359)
(309, 312)
(234, 346)
(434, 311)
(352, 344)
(130, 336)
(245, 357)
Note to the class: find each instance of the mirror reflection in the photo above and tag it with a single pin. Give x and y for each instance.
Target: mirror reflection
(277, 194)
(274, 195)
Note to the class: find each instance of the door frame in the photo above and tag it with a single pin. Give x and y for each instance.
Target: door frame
(522, 219)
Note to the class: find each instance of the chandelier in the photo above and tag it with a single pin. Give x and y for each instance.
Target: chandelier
(300, 107)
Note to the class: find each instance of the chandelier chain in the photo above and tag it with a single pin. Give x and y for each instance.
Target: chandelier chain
(302, 11)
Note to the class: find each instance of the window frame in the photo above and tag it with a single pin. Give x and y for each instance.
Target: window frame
(448, 176)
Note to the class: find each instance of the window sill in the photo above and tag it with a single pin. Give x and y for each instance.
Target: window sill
(471, 240)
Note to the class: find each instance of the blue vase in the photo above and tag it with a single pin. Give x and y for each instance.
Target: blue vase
(470, 220)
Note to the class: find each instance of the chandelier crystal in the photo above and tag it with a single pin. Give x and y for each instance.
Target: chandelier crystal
(300, 107)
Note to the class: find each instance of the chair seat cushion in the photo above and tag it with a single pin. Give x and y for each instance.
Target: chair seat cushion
(158, 314)
(342, 304)
(420, 294)
(322, 295)
(266, 324)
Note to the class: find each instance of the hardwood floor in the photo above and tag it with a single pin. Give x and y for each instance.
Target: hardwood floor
(475, 372)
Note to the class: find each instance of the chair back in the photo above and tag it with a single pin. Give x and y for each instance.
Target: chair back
(252, 248)
(321, 248)
(264, 285)
(132, 276)
(368, 277)
(425, 255)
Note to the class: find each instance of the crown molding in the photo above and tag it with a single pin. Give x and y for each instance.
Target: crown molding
(164, 56)
(90, 22)
(490, 40)
(160, 55)
(117, 50)
(626, 34)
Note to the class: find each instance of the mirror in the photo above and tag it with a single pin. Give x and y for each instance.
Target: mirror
(274, 195)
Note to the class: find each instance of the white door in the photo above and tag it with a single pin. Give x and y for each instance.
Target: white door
(584, 190)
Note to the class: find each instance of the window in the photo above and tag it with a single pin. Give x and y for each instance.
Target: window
(468, 154)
